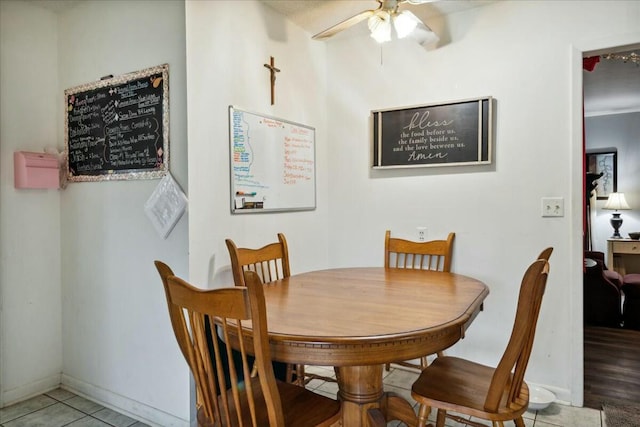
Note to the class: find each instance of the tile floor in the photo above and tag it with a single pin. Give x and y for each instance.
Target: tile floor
(399, 381)
(59, 408)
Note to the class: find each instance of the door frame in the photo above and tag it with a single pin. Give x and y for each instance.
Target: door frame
(577, 179)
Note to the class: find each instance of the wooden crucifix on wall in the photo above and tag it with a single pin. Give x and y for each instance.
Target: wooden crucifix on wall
(272, 68)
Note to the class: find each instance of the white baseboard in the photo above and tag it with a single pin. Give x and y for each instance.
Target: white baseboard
(131, 408)
(30, 390)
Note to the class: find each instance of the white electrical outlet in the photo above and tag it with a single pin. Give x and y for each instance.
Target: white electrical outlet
(422, 233)
(552, 206)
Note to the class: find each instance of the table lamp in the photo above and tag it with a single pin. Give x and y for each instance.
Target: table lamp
(616, 202)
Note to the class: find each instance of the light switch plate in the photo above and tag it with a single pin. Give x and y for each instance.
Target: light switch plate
(552, 206)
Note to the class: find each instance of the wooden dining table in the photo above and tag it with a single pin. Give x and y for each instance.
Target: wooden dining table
(358, 319)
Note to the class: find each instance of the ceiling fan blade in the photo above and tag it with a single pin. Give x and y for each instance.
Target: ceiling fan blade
(425, 36)
(345, 24)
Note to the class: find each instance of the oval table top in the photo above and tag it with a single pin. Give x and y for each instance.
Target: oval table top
(363, 316)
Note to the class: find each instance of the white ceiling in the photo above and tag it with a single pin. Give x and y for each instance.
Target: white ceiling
(613, 87)
(317, 15)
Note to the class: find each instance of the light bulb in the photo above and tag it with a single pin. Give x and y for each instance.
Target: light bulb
(380, 27)
(405, 23)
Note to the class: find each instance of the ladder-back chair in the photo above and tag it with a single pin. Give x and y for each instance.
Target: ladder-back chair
(227, 394)
(430, 255)
(499, 394)
(271, 262)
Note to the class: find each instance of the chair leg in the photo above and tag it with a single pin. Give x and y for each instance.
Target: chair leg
(423, 362)
(289, 373)
(441, 417)
(519, 422)
(423, 415)
(387, 366)
(300, 375)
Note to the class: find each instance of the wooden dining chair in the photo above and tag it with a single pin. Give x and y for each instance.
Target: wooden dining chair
(431, 255)
(499, 394)
(270, 262)
(226, 393)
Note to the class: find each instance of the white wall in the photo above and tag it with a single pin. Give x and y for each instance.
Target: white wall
(116, 335)
(117, 340)
(80, 298)
(30, 303)
(527, 55)
(225, 67)
(620, 131)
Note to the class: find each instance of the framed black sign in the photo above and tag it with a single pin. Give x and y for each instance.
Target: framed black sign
(452, 134)
(118, 128)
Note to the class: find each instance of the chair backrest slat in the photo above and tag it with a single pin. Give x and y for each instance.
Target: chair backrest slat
(430, 255)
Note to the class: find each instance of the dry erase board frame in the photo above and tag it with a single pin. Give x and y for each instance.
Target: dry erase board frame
(118, 128)
(456, 133)
(271, 163)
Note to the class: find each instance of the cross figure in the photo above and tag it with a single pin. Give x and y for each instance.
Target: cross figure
(273, 70)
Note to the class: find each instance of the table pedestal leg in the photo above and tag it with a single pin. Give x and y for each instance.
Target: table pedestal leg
(361, 389)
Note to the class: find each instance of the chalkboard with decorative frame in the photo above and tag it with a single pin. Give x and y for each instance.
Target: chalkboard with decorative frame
(117, 128)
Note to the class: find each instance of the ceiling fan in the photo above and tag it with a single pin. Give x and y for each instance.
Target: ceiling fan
(405, 23)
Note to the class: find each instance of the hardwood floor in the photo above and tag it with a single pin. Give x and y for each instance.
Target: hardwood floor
(611, 366)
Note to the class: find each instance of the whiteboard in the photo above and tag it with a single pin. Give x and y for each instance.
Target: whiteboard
(272, 164)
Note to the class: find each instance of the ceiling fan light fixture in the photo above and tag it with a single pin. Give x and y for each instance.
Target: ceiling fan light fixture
(380, 27)
(404, 23)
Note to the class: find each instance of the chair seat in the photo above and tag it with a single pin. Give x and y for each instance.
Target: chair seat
(631, 279)
(467, 386)
(303, 408)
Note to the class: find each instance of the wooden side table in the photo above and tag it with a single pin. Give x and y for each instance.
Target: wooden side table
(620, 249)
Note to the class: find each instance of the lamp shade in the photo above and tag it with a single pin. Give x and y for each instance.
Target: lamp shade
(616, 202)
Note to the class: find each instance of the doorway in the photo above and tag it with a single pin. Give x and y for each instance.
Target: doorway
(611, 355)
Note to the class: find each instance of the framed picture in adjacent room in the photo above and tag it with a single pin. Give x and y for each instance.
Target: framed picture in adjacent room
(604, 162)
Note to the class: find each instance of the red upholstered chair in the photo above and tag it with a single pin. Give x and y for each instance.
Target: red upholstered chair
(631, 308)
(602, 298)
(613, 276)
